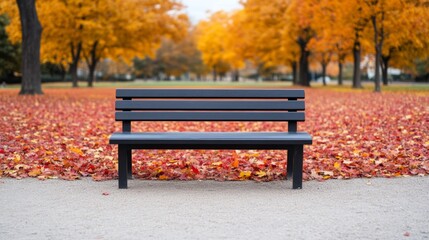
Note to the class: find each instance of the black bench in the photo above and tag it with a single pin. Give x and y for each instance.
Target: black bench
(210, 105)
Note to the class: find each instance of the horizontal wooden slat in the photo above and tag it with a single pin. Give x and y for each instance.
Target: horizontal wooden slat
(209, 105)
(211, 140)
(210, 116)
(209, 93)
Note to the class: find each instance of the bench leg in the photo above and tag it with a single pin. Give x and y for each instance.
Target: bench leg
(289, 167)
(129, 164)
(297, 166)
(122, 166)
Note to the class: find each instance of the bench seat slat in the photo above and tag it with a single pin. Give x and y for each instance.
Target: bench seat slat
(209, 93)
(212, 140)
(209, 105)
(210, 116)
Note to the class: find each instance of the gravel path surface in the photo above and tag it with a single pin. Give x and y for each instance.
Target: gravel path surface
(377, 208)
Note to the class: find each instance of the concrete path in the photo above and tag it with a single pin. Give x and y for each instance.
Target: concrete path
(335, 209)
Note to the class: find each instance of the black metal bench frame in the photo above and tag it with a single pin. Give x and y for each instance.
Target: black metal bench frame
(210, 105)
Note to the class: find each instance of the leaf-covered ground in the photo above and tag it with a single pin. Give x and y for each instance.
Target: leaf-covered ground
(64, 134)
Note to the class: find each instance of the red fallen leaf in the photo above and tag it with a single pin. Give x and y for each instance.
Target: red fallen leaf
(407, 234)
(105, 194)
(2, 150)
(195, 170)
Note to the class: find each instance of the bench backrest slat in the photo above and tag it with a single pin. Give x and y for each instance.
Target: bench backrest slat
(210, 116)
(209, 105)
(209, 93)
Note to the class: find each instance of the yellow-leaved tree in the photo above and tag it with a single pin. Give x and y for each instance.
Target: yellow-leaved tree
(269, 44)
(211, 42)
(105, 29)
(25, 13)
(300, 16)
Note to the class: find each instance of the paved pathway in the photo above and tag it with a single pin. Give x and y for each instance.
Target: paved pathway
(336, 209)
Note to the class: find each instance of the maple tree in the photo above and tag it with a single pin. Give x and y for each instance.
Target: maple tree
(403, 47)
(177, 58)
(119, 30)
(267, 43)
(299, 19)
(31, 30)
(54, 140)
(334, 40)
(210, 41)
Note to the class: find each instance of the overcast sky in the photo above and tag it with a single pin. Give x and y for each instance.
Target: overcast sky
(197, 9)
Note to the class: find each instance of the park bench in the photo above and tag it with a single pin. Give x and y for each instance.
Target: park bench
(210, 105)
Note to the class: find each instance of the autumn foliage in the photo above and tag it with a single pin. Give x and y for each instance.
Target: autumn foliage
(307, 35)
(64, 134)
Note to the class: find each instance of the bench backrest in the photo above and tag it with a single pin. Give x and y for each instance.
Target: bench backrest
(209, 105)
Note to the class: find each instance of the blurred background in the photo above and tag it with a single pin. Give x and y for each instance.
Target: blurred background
(301, 41)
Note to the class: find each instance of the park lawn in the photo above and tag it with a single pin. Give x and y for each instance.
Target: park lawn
(64, 134)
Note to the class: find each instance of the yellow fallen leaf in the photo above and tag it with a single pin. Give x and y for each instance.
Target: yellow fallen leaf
(35, 172)
(337, 165)
(245, 174)
(261, 173)
(217, 163)
(17, 158)
(76, 150)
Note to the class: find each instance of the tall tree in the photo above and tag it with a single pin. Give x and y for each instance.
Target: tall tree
(31, 37)
(30, 33)
(300, 17)
(211, 43)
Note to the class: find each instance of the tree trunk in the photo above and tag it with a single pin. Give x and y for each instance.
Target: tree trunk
(75, 52)
(92, 61)
(31, 37)
(377, 44)
(294, 72)
(303, 63)
(236, 75)
(356, 68)
(340, 73)
(324, 65)
(63, 72)
(214, 74)
(384, 68)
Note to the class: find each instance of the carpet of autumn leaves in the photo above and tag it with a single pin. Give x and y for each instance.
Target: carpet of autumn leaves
(64, 134)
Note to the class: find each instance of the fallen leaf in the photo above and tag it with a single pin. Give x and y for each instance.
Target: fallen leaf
(34, 172)
(261, 173)
(76, 150)
(245, 174)
(337, 165)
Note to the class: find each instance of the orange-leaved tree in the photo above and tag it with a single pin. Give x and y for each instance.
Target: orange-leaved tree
(25, 12)
(105, 28)
(211, 42)
(269, 43)
(300, 16)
